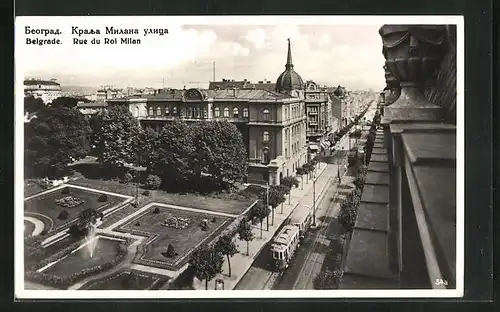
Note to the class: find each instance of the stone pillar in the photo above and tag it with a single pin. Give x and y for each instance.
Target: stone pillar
(412, 53)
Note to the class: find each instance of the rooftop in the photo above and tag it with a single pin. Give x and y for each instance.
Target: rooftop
(32, 82)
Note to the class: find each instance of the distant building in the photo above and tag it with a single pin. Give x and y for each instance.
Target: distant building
(321, 120)
(47, 90)
(241, 84)
(108, 92)
(91, 108)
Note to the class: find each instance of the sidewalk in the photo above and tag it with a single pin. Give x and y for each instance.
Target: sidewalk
(240, 262)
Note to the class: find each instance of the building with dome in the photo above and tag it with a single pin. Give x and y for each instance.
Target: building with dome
(273, 123)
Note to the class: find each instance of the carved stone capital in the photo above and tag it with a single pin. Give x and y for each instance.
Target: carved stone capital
(412, 53)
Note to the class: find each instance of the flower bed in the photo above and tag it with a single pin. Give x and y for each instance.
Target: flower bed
(69, 201)
(176, 222)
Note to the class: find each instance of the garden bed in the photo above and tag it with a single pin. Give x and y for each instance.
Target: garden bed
(184, 238)
(232, 203)
(46, 205)
(128, 280)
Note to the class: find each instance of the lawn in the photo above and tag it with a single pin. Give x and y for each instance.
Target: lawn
(105, 251)
(127, 280)
(182, 239)
(29, 227)
(234, 203)
(45, 205)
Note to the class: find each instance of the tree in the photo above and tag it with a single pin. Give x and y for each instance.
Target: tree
(206, 262)
(260, 211)
(276, 197)
(153, 182)
(32, 104)
(300, 172)
(174, 149)
(219, 152)
(115, 139)
(64, 101)
(146, 148)
(55, 139)
(282, 191)
(245, 232)
(227, 247)
(328, 279)
(290, 182)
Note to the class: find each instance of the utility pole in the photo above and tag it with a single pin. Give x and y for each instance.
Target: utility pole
(267, 204)
(314, 200)
(213, 71)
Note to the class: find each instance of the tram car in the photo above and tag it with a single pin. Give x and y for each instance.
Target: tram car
(284, 246)
(301, 217)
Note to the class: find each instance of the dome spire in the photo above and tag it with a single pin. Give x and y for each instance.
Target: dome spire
(289, 64)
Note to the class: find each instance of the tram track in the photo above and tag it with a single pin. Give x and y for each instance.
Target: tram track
(305, 279)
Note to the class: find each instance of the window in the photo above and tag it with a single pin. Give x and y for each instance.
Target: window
(236, 112)
(226, 111)
(265, 136)
(217, 112)
(158, 111)
(266, 114)
(174, 110)
(286, 112)
(286, 152)
(167, 112)
(245, 112)
(205, 114)
(151, 111)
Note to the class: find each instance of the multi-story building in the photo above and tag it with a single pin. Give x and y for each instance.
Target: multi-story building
(108, 92)
(272, 123)
(241, 84)
(91, 108)
(323, 116)
(47, 90)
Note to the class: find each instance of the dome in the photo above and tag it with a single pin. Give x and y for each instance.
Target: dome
(289, 79)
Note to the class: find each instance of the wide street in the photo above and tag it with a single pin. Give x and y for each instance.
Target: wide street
(321, 243)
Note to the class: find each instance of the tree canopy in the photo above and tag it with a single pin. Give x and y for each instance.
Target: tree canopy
(32, 104)
(54, 139)
(64, 101)
(227, 247)
(219, 152)
(206, 262)
(115, 138)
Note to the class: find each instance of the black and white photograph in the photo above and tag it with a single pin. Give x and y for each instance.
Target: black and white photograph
(239, 157)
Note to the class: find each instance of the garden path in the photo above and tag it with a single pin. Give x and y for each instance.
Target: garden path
(38, 225)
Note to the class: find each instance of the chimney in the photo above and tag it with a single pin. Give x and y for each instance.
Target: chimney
(261, 81)
(245, 80)
(234, 92)
(269, 82)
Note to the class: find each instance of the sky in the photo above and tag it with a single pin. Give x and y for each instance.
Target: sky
(347, 55)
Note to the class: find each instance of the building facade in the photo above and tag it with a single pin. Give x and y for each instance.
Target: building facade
(323, 115)
(108, 92)
(47, 90)
(91, 108)
(271, 123)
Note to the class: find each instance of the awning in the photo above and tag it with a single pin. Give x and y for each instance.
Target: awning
(325, 144)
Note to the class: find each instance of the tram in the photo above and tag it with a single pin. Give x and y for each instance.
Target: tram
(288, 239)
(284, 246)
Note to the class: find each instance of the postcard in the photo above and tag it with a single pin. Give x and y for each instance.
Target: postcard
(239, 157)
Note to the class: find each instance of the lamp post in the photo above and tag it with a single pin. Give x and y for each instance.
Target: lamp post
(267, 204)
(314, 200)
